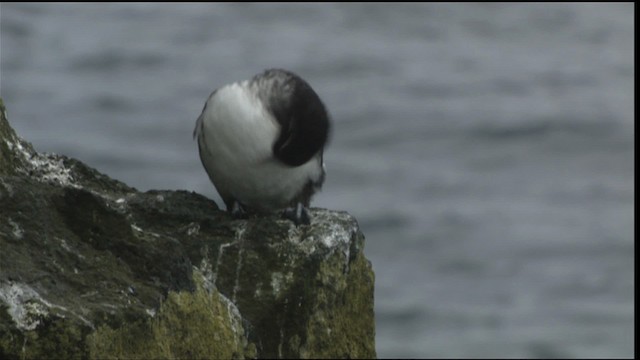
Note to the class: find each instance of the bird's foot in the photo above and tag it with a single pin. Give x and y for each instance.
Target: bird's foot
(298, 214)
(237, 211)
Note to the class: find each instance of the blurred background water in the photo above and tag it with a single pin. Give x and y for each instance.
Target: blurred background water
(486, 149)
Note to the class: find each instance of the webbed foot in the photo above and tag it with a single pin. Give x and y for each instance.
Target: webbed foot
(237, 211)
(298, 214)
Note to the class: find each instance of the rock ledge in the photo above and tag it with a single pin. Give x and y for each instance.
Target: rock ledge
(93, 268)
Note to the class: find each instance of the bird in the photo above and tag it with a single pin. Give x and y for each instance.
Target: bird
(261, 142)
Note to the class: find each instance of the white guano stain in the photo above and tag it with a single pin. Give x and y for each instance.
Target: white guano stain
(193, 229)
(214, 277)
(233, 313)
(341, 229)
(280, 281)
(47, 168)
(27, 307)
(276, 280)
(16, 229)
(8, 187)
(138, 230)
(239, 233)
(68, 248)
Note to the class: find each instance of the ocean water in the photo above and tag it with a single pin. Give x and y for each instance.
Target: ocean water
(487, 150)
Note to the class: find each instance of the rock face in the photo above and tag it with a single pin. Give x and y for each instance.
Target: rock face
(92, 268)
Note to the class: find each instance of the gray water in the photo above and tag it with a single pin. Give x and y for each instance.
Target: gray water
(486, 149)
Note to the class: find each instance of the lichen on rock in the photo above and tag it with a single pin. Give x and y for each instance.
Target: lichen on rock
(93, 268)
(188, 325)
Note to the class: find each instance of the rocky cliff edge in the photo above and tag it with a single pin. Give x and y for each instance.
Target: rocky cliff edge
(93, 268)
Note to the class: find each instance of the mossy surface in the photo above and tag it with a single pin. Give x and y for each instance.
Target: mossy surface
(188, 325)
(87, 261)
(54, 338)
(344, 320)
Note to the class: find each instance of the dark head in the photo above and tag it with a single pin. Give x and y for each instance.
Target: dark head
(302, 116)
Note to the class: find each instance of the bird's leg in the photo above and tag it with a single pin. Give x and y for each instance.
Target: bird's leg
(298, 214)
(237, 211)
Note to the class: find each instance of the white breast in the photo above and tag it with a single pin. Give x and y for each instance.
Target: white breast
(236, 136)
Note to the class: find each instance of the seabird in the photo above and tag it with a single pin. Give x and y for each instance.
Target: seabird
(261, 142)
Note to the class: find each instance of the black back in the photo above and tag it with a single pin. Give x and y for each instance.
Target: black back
(303, 118)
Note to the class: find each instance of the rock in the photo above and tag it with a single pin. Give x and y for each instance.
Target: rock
(93, 268)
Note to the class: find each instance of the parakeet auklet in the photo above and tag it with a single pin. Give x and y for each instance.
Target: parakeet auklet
(261, 142)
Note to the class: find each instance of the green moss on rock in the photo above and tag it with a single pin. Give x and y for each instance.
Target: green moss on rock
(345, 326)
(198, 325)
(54, 338)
